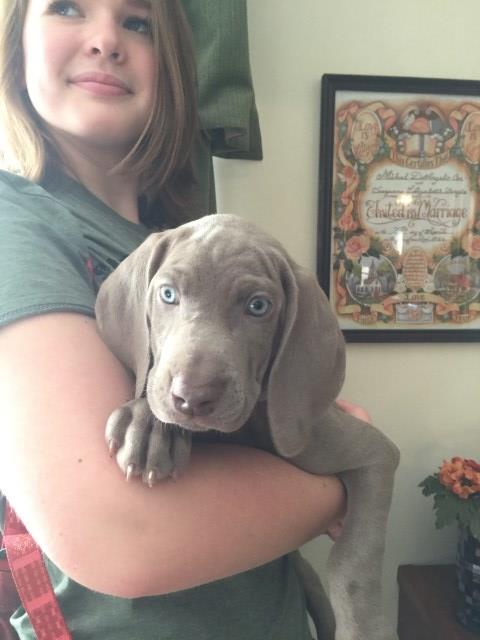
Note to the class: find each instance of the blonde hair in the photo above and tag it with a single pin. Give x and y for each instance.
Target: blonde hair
(162, 156)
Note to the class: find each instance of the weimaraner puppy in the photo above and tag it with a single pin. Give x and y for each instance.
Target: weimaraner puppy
(227, 335)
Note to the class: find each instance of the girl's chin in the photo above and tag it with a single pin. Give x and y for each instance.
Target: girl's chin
(99, 137)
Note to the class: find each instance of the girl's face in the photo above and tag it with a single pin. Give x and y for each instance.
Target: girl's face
(90, 70)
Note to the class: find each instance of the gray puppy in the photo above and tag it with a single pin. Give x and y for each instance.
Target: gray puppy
(226, 334)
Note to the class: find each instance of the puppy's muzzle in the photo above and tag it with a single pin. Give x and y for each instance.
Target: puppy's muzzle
(196, 400)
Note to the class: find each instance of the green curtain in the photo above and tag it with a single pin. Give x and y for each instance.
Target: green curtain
(228, 113)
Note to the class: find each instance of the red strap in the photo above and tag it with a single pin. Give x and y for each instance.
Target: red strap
(9, 600)
(32, 580)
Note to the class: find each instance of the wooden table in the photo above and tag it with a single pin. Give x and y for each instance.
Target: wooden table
(428, 598)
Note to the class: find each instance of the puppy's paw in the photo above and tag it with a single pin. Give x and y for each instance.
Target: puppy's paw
(127, 433)
(168, 452)
(145, 446)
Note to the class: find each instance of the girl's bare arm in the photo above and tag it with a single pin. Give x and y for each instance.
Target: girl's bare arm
(234, 509)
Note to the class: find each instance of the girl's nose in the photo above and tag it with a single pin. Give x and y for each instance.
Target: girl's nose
(104, 51)
(106, 41)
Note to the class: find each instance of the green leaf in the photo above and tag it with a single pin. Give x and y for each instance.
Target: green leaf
(431, 485)
(446, 509)
(465, 512)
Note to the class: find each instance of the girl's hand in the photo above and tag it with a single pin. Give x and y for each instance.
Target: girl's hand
(335, 530)
(354, 409)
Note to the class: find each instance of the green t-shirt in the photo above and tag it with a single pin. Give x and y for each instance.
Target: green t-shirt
(57, 244)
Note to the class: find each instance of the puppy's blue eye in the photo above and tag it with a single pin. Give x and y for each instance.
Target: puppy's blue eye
(258, 306)
(168, 294)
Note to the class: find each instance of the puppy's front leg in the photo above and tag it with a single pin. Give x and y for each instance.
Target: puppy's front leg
(144, 445)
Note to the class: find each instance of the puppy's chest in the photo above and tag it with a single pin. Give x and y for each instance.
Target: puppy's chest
(255, 433)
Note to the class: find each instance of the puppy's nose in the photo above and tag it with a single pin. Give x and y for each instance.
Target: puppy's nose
(196, 400)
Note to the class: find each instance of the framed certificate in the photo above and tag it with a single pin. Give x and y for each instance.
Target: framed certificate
(399, 207)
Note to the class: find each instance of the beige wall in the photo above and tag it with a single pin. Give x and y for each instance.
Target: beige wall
(425, 396)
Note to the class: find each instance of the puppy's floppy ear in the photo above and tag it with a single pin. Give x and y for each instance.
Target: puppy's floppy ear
(121, 308)
(309, 366)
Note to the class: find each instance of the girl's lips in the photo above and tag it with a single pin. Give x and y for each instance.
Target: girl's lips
(101, 84)
(101, 89)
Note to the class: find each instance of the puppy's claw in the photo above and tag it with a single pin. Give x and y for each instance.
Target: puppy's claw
(152, 478)
(113, 447)
(130, 472)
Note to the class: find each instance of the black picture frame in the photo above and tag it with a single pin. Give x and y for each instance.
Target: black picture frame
(398, 234)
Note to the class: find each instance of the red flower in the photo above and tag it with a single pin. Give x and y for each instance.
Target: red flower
(347, 223)
(471, 463)
(461, 476)
(356, 245)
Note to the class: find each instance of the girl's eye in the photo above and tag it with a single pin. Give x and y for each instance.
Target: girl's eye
(140, 25)
(64, 8)
(168, 294)
(258, 306)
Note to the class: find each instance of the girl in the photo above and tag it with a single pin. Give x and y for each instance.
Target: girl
(98, 126)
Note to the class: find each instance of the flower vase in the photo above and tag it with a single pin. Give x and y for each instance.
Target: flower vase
(468, 577)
